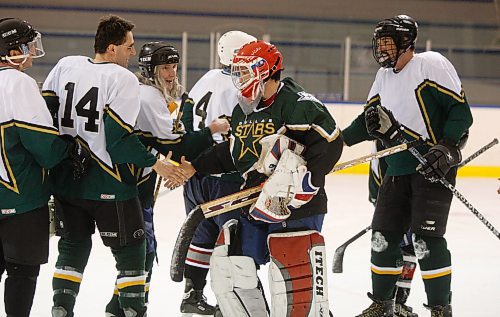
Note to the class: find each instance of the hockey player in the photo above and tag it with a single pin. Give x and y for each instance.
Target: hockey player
(30, 146)
(98, 103)
(155, 126)
(412, 95)
(215, 96)
(295, 141)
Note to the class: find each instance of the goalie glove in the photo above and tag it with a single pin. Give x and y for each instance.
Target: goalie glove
(288, 187)
(272, 149)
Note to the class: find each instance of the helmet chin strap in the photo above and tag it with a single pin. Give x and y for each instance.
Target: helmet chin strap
(397, 59)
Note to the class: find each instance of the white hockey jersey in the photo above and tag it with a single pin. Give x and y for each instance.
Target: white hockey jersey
(99, 105)
(402, 92)
(28, 143)
(155, 120)
(214, 96)
(85, 89)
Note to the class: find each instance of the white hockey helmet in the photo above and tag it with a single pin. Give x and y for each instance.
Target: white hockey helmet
(229, 44)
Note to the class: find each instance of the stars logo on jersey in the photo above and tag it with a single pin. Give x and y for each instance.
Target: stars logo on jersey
(307, 96)
(250, 132)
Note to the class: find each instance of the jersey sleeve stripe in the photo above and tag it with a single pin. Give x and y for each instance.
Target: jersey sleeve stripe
(418, 92)
(119, 120)
(159, 140)
(373, 100)
(304, 127)
(35, 127)
(48, 93)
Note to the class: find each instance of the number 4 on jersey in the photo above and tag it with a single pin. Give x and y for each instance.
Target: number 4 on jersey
(201, 109)
(91, 113)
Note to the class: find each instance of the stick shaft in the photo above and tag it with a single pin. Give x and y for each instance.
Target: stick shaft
(249, 196)
(478, 152)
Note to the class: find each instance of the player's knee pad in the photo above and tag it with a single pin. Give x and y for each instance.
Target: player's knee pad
(20, 289)
(22, 271)
(297, 274)
(433, 256)
(234, 277)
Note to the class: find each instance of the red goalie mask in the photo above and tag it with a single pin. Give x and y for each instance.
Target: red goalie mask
(252, 66)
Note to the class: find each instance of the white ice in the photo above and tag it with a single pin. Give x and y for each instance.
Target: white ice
(475, 255)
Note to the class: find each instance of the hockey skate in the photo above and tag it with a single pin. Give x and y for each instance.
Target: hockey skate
(195, 303)
(440, 311)
(401, 310)
(379, 308)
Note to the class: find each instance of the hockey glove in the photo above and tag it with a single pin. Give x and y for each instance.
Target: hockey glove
(272, 148)
(79, 157)
(381, 124)
(439, 160)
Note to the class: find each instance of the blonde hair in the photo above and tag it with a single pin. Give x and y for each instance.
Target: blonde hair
(159, 83)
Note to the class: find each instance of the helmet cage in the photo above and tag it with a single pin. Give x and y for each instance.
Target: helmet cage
(392, 38)
(249, 74)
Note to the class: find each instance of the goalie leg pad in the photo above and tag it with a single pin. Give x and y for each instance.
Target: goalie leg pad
(234, 278)
(297, 274)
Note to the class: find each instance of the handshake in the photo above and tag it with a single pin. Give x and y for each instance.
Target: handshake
(175, 174)
(381, 124)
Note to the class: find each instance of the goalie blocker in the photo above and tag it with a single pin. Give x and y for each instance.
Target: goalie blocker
(297, 275)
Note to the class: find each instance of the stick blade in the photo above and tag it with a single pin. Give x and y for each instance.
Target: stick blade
(182, 243)
(338, 259)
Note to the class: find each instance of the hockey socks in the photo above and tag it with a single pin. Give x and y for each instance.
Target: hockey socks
(435, 265)
(113, 307)
(198, 263)
(386, 262)
(131, 279)
(71, 262)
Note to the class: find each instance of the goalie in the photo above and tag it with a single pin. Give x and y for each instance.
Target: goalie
(286, 139)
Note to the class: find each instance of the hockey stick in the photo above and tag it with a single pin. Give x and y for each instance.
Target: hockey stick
(240, 199)
(338, 257)
(157, 190)
(181, 110)
(478, 152)
(454, 191)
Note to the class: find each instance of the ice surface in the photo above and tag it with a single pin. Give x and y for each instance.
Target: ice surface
(475, 256)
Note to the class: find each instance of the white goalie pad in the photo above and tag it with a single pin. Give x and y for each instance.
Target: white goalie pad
(234, 280)
(273, 147)
(297, 274)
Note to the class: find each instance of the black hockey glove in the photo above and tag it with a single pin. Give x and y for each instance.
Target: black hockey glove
(79, 157)
(440, 159)
(381, 124)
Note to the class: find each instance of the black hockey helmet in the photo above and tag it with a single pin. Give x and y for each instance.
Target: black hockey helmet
(156, 53)
(403, 30)
(14, 33)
